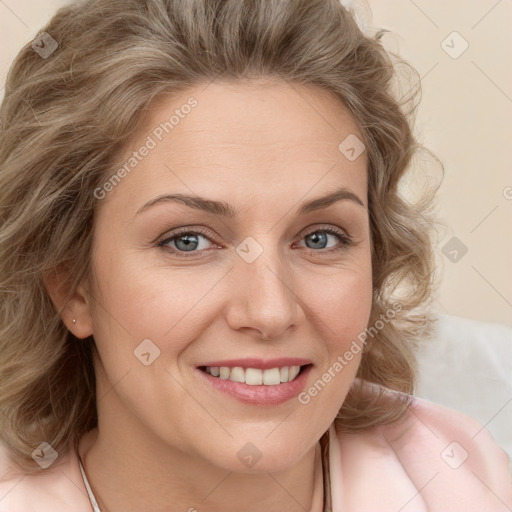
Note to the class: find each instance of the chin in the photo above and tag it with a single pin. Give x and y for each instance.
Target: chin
(265, 456)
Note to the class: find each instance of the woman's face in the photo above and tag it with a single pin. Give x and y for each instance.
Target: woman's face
(178, 287)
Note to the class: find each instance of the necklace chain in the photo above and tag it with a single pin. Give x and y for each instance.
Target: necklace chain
(326, 480)
(92, 498)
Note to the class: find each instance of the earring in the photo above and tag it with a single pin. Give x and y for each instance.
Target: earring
(74, 321)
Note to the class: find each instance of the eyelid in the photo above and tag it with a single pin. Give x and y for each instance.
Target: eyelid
(312, 228)
(345, 240)
(183, 231)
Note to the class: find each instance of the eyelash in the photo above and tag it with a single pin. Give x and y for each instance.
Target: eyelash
(344, 239)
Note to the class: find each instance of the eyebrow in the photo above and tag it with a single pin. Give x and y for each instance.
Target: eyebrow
(227, 210)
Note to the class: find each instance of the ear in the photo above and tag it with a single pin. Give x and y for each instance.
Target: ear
(70, 304)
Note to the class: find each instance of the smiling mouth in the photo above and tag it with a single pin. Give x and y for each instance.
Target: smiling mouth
(255, 376)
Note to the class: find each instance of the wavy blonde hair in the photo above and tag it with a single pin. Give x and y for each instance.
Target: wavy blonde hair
(67, 116)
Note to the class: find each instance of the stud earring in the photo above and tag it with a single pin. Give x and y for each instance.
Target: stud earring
(74, 321)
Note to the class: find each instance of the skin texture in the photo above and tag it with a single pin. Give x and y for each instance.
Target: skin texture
(166, 437)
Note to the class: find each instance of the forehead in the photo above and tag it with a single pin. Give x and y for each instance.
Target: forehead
(264, 112)
(248, 134)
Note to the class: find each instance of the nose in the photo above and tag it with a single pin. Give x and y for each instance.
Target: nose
(263, 297)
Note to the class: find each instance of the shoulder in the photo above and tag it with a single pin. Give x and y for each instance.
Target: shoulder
(57, 488)
(433, 458)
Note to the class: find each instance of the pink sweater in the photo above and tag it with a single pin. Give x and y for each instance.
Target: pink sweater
(434, 459)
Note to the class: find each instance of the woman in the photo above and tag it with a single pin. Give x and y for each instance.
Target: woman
(202, 246)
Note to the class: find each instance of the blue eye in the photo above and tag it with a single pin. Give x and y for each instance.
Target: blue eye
(314, 237)
(186, 243)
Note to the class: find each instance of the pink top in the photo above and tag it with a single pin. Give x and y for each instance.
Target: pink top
(433, 459)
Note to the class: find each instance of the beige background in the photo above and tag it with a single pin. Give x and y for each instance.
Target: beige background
(464, 118)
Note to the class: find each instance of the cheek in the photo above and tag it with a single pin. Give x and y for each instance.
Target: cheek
(342, 308)
(137, 301)
(342, 303)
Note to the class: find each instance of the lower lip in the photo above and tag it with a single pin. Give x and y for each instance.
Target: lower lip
(260, 395)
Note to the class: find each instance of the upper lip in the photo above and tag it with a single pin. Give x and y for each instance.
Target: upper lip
(264, 364)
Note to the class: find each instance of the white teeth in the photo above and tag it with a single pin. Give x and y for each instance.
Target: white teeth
(237, 374)
(294, 371)
(271, 377)
(255, 376)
